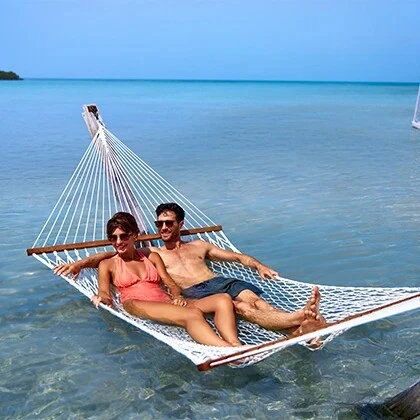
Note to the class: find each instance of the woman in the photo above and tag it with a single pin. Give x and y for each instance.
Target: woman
(138, 279)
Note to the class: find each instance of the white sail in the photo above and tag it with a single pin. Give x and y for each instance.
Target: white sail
(416, 119)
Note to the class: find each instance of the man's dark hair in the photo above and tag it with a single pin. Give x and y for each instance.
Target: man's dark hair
(176, 208)
(123, 221)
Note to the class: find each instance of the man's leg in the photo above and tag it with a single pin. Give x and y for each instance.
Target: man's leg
(251, 307)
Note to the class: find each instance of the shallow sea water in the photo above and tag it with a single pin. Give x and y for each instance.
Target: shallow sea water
(320, 181)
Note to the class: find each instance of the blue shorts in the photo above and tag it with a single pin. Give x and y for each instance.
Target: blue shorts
(219, 284)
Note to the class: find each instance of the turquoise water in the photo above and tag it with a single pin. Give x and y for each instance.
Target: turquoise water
(320, 181)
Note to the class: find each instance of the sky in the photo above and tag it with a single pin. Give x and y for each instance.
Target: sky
(296, 40)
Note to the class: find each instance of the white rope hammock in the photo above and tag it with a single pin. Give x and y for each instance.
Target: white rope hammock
(111, 178)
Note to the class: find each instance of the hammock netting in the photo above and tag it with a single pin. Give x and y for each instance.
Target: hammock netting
(112, 178)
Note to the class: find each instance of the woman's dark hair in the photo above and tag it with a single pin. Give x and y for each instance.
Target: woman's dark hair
(124, 221)
(176, 208)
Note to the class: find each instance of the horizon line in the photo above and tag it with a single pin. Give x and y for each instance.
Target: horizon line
(213, 80)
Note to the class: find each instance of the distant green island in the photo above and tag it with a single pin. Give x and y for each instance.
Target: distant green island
(9, 75)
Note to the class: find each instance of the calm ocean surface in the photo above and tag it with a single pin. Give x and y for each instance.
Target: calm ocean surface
(320, 181)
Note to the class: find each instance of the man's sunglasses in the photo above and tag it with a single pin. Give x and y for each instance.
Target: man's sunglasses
(123, 237)
(159, 223)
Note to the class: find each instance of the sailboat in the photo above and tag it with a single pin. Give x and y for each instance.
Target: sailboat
(416, 119)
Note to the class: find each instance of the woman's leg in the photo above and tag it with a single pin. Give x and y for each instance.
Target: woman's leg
(192, 319)
(224, 315)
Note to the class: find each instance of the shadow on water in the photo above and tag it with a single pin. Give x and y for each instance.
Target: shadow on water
(404, 405)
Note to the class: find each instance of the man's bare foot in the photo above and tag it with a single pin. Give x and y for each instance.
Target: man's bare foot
(313, 319)
(309, 312)
(312, 306)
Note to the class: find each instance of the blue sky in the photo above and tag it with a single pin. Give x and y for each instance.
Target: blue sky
(321, 40)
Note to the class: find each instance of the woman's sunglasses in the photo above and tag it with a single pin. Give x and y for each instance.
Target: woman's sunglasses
(123, 237)
(169, 223)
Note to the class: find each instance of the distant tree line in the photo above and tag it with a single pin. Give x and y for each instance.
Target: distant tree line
(9, 75)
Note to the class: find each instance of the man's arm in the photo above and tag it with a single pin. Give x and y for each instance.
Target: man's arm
(219, 254)
(75, 268)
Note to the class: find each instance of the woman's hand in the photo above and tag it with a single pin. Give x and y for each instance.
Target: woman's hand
(96, 300)
(179, 301)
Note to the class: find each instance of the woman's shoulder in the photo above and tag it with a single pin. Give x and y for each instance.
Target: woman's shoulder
(108, 262)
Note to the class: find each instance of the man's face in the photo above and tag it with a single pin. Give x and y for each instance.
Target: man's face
(168, 227)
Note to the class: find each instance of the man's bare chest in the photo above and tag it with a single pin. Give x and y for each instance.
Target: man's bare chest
(182, 257)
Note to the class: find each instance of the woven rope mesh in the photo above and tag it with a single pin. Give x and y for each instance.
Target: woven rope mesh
(111, 178)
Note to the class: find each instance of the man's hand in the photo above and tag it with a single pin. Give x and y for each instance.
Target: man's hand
(68, 269)
(266, 272)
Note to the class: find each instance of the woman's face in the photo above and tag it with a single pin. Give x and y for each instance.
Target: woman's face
(122, 241)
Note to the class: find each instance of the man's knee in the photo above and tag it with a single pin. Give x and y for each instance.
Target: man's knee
(248, 297)
(252, 308)
(262, 305)
(243, 309)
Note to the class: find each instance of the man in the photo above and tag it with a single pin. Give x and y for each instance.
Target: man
(186, 264)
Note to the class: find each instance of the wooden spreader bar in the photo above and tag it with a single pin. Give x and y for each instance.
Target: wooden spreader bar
(106, 242)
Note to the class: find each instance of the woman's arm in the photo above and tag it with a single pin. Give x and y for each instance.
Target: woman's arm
(104, 284)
